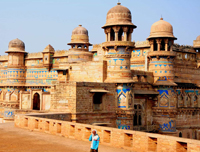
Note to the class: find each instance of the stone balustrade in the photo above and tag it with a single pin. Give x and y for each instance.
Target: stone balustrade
(126, 139)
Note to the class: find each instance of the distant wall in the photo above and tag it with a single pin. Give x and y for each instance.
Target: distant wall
(130, 140)
(88, 71)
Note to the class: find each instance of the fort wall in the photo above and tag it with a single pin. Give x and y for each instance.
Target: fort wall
(126, 139)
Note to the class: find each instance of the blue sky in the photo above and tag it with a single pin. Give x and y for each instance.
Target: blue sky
(42, 22)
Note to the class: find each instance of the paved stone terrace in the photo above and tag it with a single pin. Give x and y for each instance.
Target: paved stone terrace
(13, 139)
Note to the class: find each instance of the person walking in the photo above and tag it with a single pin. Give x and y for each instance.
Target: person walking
(94, 137)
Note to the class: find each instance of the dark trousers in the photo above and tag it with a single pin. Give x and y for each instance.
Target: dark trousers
(93, 150)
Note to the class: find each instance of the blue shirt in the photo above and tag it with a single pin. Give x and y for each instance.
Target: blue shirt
(95, 143)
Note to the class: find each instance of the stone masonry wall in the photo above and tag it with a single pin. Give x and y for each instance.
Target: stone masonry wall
(88, 71)
(85, 98)
(126, 139)
(63, 96)
(85, 110)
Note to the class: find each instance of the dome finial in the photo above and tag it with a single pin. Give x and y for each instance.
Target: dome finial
(118, 2)
(80, 25)
(161, 18)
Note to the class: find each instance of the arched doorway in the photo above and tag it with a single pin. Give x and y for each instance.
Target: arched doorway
(36, 101)
(180, 134)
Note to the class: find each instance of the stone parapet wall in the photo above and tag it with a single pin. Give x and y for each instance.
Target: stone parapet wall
(34, 55)
(4, 58)
(130, 140)
(57, 116)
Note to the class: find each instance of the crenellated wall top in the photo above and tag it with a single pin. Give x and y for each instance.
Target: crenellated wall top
(142, 44)
(183, 48)
(96, 47)
(4, 58)
(60, 53)
(34, 55)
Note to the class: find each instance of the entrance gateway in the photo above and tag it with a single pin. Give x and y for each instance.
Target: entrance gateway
(36, 101)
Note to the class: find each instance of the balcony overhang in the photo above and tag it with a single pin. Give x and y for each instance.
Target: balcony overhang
(98, 90)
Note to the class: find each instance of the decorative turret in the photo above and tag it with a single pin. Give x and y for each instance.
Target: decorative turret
(196, 45)
(117, 51)
(118, 45)
(161, 63)
(79, 51)
(48, 53)
(15, 79)
(16, 66)
(161, 56)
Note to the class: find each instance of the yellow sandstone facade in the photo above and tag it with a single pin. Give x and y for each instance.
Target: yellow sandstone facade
(149, 86)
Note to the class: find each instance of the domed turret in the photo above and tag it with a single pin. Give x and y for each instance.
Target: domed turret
(118, 46)
(119, 15)
(16, 45)
(160, 29)
(80, 36)
(16, 65)
(79, 51)
(161, 40)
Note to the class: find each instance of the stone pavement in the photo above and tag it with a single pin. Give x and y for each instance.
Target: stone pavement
(14, 139)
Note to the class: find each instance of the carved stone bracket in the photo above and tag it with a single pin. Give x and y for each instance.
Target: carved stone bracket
(127, 48)
(105, 48)
(115, 47)
(125, 29)
(158, 41)
(116, 28)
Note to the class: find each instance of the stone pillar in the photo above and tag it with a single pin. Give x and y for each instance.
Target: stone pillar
(158, 41)
(130, 33)
(125, 30)
(171, 47)
(151, 44)
(116, 30)
(166, 44)
(107, 32)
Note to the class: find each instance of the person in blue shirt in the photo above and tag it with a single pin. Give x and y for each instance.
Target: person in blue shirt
(94, 137)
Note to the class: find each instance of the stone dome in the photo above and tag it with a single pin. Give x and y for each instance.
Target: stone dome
(16, 45)
(79, 36)
(80, 30)
(119, 15)
(161, 29)
(198, 38)
(196, 43)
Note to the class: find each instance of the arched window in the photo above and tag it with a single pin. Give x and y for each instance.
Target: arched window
(162, 46)
(180, 134)
(186, 56)
(112, 35)
(36, 101)
(120, 34)
(155, 46)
